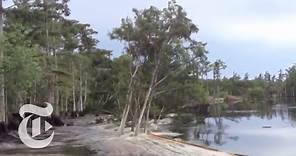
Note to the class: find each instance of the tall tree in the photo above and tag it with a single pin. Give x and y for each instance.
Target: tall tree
(217, 66)
(2, 89)
(156, 39)
(41, 24)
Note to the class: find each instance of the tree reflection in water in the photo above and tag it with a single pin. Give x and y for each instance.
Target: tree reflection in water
(214, 130)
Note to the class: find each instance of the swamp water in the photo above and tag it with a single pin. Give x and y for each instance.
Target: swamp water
(267, 131)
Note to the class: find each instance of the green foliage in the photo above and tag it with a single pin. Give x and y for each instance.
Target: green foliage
(257, 93)
(160, 42)
(21, 65)
(44, 61)
(291, 78)
(198, 93)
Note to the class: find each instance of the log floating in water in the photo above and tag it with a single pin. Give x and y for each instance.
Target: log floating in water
(267, 126)
(167, 134)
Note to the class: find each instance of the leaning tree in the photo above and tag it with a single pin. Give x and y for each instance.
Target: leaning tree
(155, 39)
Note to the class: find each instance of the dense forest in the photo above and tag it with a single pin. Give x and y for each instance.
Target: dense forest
(46, 56)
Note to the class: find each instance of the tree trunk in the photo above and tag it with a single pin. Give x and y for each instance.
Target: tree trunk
(66, 105)
(57, 103)
(2, 86)
(57, 92)
(135, 113)
(62, 104)
(73, 87)
(51, 91)
(35, 92)
(159, 117)
(6, 108)
(20, 98)
(129, 101)
(85, 92)
(148, 96)
(80, 92)
(124, 118)
(147, 116)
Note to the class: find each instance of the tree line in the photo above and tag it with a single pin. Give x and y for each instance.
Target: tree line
(48, 57)
(45, 56)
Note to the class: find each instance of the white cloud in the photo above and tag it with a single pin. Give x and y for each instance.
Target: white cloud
(272, 32)
(235, 30)
(271, 23)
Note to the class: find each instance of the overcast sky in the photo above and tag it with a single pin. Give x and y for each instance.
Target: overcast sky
(249, 35)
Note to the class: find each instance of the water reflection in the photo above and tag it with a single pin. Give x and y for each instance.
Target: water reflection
(263, 130)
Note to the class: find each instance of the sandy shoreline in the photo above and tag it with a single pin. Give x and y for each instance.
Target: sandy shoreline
(103, 140)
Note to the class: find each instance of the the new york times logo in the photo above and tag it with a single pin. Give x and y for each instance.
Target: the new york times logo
(37, 128)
